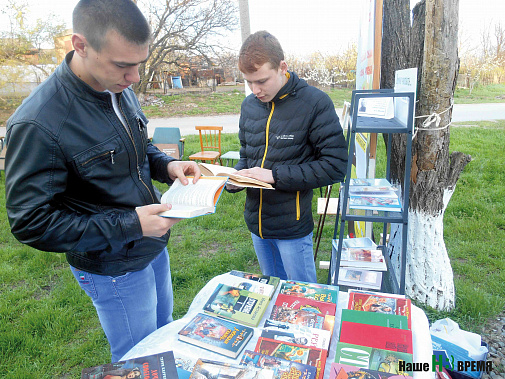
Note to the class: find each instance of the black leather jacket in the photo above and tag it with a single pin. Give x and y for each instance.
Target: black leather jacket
(74, 175)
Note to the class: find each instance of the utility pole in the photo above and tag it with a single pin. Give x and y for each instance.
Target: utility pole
(245, 29)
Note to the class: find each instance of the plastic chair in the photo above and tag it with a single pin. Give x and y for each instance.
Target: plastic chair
(169, 135)
(210, 144)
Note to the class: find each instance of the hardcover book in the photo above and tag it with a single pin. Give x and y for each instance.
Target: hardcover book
(215, 334)
(362, 242)
(339, 371)
(205, 368)
(193, 199)
(380, 337)
(299, 334)
(362, 258)
(371, 358)
(237, 305)
(382, 182)
(248, 284)
(282, 368)
(302, 317)
(273, 280)
(313, 291)
(161, 365)
(376, 203)
(382, 303)
(380, 191)
(293, 352)
(375, 318)
(306, 304)
(354, 277)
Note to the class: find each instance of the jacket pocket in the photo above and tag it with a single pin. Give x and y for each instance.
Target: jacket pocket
(104, 160)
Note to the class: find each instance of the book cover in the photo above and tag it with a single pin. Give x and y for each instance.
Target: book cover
(339, 371)
(382, 303)
(273, 280)
(218, 335)
(362, 242)
(379, 191)
(313, 291)
(295, 333)
(380, 337)
(205, 368)
(193, 199)
(353, 277)
(282, 368)
(301, 317)
(363, 258)
(375, 318)
(237, 305)
(372, 358)
(306, 304)
(160, 365)
(375, 203)
(380, 182)
(248, 284)
(292, 352)
(237, 180)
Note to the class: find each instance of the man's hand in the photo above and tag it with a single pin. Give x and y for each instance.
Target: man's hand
(263, 174)
(179, 169)
(152, 224)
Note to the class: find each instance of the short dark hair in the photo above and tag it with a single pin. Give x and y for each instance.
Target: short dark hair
(94, 18)
(258, 49)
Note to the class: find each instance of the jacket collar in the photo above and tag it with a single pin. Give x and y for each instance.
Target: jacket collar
(292, 85)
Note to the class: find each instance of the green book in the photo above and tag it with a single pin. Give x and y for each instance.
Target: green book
(375, 318)
(314, 291)
(235, 304)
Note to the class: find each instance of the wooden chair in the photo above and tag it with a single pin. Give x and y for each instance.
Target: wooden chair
(210, 144)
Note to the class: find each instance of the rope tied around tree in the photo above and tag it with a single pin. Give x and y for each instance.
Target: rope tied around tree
(433, 119)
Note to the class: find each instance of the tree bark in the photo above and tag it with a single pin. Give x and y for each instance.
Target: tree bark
(431, 46)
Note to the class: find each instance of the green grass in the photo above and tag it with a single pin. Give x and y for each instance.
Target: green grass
(494, 93)
(49, 328)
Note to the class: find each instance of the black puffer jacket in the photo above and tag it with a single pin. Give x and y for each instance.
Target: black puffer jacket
(298, 136)
(74, 175)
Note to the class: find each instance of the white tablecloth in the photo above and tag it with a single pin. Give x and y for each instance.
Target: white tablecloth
(165, 338)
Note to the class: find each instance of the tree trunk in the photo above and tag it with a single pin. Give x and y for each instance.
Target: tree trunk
(431, 45)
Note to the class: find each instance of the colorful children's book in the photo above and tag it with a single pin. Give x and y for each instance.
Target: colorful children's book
(379, 302)
(380, 337)
(371, 358)
(282, 368)
(339, 371)
(237, 305)
(273, 280)
(299, 334)
(216, 334)
(160, 365)
(248, 284)
(293, 352)
(354, 277)
(205, 368)
(310, 290)
(375, 318)
(306, 304)
(302, 317)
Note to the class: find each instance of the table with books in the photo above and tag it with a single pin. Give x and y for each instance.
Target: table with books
(268, 326)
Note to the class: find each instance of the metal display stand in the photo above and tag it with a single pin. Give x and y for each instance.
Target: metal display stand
(361, 124)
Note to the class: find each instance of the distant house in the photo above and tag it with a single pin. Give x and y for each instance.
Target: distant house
(21, 80)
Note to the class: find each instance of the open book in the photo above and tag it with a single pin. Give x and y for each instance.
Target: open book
(237, 180)
(193, 200)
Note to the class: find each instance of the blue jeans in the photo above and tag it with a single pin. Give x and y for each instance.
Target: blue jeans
(287, 259)
(130, 306)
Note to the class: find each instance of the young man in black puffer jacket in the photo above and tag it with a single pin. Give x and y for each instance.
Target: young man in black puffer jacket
(290, 137)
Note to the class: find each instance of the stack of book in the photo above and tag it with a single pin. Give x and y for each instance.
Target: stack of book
(361, 263)
(373, 194)
(375, 336)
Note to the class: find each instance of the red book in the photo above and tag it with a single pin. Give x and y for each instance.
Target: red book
(293, 352)
(379, 337)
(306, 304)
(381, 303)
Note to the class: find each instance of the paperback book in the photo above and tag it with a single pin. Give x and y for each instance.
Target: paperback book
(375, 203)
(298, 334)
(248, 284)
(282, 368)
(218, 335)
(237, 305)
(161, 365)
(237, 180)
(293, 352)
(273, 280)
(379, 191)
(372, 358)
(205, 368)
(306, 304)
(353, 277)
(383, 337)
(312, 291)
(375, 318)
(361, 242)
(362, 258)
(380, 182)
(301, 317)
(339, 371)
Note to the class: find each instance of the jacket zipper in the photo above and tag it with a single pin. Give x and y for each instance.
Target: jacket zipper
(130, 134)
(111, 153)
(262, 164)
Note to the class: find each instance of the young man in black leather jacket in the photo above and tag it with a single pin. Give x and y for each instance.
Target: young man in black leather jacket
(79, 171)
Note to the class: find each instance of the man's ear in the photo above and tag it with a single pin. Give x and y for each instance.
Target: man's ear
(283, 66)
(80, 44)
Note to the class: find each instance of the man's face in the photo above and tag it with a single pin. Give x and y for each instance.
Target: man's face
(266, 81)
(116, 66)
